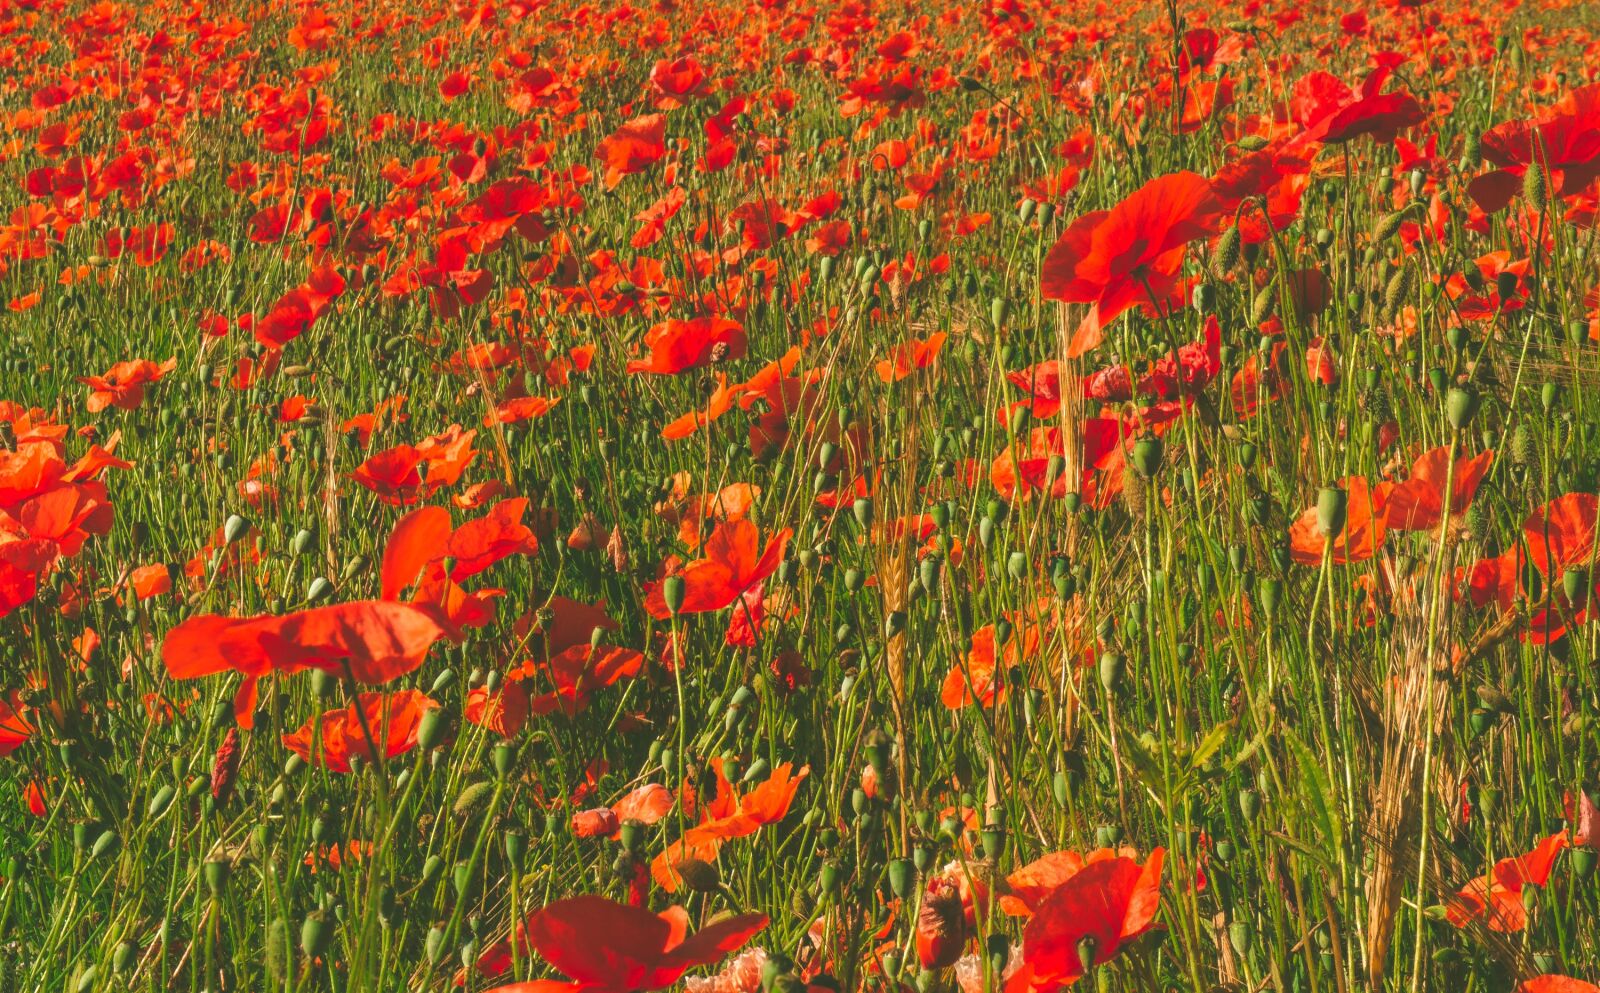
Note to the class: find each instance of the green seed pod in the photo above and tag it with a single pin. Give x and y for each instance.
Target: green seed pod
(433, 945)
(1461, 405)
(1087, 945)
(1249, 804)
(1148, 452)
(216, 872)
(235, 529)
(1583, 862)
(1332, 510)
(433, 728)
(1112, 666)
(315, 934)
(1240, 936)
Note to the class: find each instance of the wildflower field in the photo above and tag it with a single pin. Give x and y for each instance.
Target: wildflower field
(734, 495)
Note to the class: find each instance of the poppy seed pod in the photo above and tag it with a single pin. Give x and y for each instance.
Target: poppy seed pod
(1461, 405)
(1249, 804)
(1332, 510)
(673, 591)
(433, 728)
(1148, 452)
(1112, 665)
(315, 934)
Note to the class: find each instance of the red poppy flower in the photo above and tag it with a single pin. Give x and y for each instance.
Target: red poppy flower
(15, 729)
(1109, 902)
(1497, 897)
(1030, 886)
(941, 925)
(1556, 536)
(411, 473)
(123, 384)
(677, 346)
(1333, 113)
(633, 148)
(1555, 984)
(387, 720)
(1118, 258)
(1418, 503)
(1565, 142)
(608, 947)
(375, 640)
(600, 822)
(735, 561)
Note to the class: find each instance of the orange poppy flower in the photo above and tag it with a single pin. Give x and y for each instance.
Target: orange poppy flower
(1418, 503)
(728, 816)
(1497, 897)
(392, 720)
(910, 357)
(735, 561)
(1032, 884)
(1556, 984)
(123, 384)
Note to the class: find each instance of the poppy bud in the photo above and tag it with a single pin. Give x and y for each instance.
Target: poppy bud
(1264, 304)
(226, 767)
(1535, 189)
(1225, 256)
(161, 801)
(102, 844)
(123, 958)
(279, 954)
(433, 945)
(1397, 289)
(473, 799)
(941, 925)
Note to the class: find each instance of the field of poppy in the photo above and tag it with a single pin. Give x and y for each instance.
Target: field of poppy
(535, 495)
